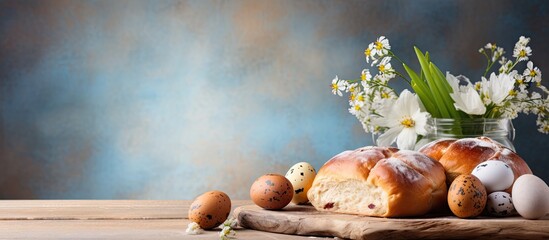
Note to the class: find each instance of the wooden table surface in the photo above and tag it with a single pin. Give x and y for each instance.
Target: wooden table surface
(107, 219)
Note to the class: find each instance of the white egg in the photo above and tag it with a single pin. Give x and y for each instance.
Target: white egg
(500, 204)
(301, 175)
(531, 196)
(494, 175)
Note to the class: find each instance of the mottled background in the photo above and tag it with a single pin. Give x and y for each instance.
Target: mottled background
(168, 99)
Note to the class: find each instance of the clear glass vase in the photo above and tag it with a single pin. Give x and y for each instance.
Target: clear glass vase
(498, 129)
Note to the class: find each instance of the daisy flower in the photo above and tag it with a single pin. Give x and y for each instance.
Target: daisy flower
(385, 65)
(353, 87)
(519, 80)
(404, 119)
(369, 52)
(356, 108)
(381, 46)
(522, 52)
(365, 75)
(338, 86)
(531, 73)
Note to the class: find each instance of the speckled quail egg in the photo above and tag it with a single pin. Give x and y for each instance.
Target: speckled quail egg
(467, 196)
(301, 175)
(495, 175)
(500, 204)
(210, 209)
(272, 191)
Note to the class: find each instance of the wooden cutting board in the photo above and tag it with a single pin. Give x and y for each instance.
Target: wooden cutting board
(305, 220)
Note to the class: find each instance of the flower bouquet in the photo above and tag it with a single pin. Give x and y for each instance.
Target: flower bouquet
(403, 118)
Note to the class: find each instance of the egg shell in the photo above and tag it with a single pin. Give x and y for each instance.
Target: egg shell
(467, 196)
(210, 209)
(495, 175)
(272, 191)
(301, 175)
(531, 196)
(500, 204)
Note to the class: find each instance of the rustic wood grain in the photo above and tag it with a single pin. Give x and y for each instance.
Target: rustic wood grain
(118, 229)
(108, 219)
(305, 220)
(97, 209)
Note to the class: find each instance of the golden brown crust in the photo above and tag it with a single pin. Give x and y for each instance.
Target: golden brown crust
(356, 164)
(460, 156)
(436, 149)
(414, 183)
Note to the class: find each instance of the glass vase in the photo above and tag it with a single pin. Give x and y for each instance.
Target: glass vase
(498, 129)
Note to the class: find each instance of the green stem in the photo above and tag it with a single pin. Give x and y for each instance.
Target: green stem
(395, 56)
(403, 77)
(489, 62)
(511, 68)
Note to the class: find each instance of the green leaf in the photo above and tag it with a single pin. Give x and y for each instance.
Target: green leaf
(441, 75)
(437, 97)
(443, 88)
(456, 114)
(423, 92)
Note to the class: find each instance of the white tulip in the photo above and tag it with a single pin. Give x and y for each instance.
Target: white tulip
(465, 97)
(497, 88)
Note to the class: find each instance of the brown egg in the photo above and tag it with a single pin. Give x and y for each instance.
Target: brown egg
(467, 196)
(272, 191)
(210, 209)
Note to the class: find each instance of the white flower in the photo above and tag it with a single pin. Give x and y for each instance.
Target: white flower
(385, 93)
(230, 222)
(506, 66)
(353, 88)
(465, 97)
(356, 103)
(356, 108)
(523, 41)
(519, 79)
(194, 229)
(381, 46)
(385, 65)
(502, 61)
(522, 52)
(386, 76)
(531, 73)
(227, 229)
(497, 88)
(227, 233)
(369, 52)
(497, 54)
(338, 86)
(490, 46)
(405, 120)
(366, 75)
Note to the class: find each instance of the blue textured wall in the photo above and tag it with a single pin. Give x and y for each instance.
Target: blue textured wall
(168, 99)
